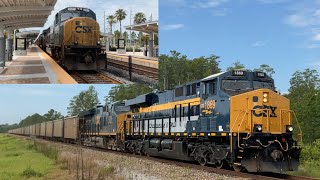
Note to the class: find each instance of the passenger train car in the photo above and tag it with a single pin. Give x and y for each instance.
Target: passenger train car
(74, 40)
(231, 119)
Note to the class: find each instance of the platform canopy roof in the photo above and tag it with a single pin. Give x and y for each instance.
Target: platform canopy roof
(28, 34)
(16, 14)
(148, 27)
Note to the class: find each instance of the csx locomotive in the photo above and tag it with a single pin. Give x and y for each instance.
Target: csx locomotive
(74, 40)
(231, 119)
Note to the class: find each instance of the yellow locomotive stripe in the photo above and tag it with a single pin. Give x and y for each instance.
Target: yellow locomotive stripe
(161, 107)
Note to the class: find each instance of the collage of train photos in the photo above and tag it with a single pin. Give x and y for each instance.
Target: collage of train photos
(159, 89)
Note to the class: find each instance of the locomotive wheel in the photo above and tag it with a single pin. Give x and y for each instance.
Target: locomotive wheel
(202, 161)
(222, 165)
(238, 168)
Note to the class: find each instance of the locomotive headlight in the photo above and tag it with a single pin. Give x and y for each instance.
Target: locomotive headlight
(99, 42)
(265, 97)
(76, 43)
(257, 128)
(289, 128)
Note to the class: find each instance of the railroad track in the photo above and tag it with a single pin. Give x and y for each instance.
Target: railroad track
(194, 165)
(149, 72)
(93, 77)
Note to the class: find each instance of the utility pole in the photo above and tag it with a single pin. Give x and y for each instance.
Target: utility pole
(104, 22)
(130, 25)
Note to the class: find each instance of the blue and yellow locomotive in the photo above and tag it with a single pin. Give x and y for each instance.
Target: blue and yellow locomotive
(231, 119)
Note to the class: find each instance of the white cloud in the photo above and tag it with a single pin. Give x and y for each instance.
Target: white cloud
(149, 7)
(221, 12)
(304, 18)
(170, 27)
(316, 37)
(259, 44)
(312, 46)
(272, 1)
(208, 3)
(305, 15)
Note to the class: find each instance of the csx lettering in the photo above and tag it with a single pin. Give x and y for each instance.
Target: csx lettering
(264, 111)
(83, 29)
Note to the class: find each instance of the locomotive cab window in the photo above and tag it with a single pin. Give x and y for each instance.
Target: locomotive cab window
(68, 15)
(210, 87)
(191, 89)
(179, 92)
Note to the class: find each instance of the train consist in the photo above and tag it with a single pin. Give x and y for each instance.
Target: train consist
(231, 119)
(74, 40)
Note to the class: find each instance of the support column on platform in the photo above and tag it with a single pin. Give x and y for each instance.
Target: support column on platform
(9, 46)
(151, 45)
(2, 48)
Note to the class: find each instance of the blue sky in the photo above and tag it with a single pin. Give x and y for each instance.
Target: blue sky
(20, 101)
(149, 7)
(282, 33)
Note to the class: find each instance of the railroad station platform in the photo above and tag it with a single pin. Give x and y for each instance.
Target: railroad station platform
(149, 62)
(35, 68)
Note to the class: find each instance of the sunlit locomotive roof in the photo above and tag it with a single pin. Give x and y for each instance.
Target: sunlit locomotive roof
(15, 14)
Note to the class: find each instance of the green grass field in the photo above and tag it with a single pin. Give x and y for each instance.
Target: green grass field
(19, 160)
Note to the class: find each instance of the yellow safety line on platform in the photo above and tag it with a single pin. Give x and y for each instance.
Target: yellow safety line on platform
(62, 76)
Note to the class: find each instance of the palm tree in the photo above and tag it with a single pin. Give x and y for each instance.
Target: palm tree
(120, 15)
(141, 38)
(133, 37)
(126, 36)
(117, 35)
(111, 20)
(140, 18)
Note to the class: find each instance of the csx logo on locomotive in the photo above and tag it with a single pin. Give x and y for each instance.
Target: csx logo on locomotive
(84, 29)
(264, 110)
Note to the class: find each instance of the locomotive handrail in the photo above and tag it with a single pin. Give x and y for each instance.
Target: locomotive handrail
(294, 114)
(246, 112)
(233, 127)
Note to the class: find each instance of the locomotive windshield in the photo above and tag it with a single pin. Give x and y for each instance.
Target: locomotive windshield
(265, 85)
(76, 12)
(68, 15)
(233, 87)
